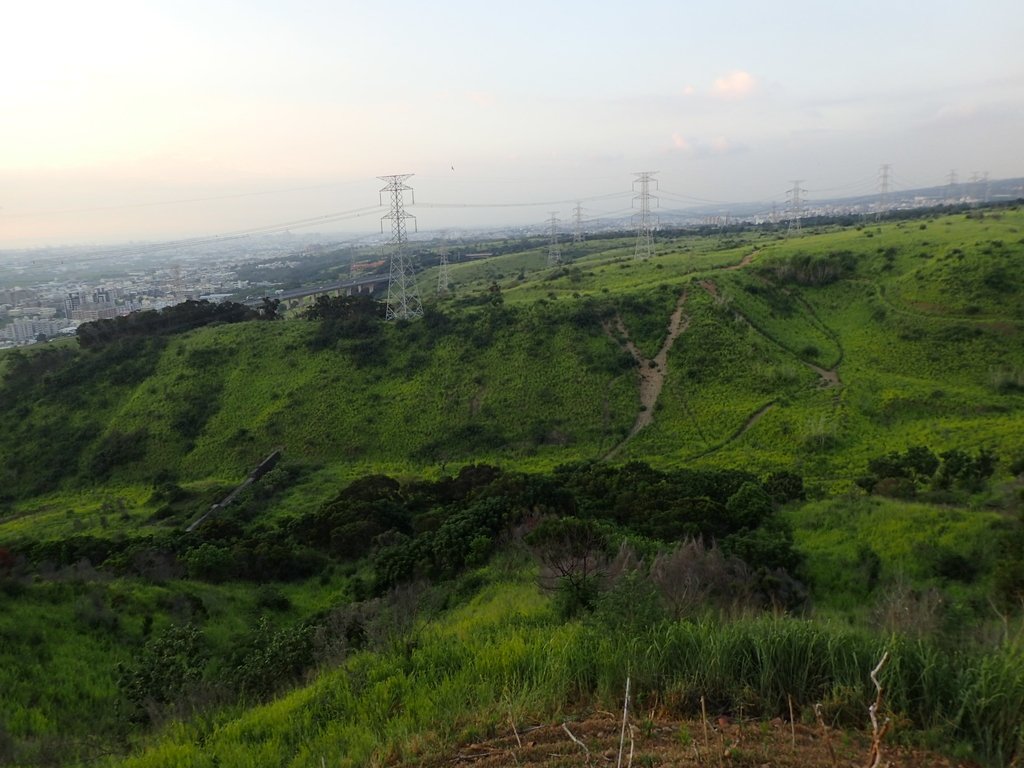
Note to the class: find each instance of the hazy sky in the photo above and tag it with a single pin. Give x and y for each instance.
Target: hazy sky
(119, 117)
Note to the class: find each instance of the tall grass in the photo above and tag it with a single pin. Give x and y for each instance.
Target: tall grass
(461, 679)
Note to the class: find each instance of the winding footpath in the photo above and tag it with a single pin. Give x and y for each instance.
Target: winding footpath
(652, 371)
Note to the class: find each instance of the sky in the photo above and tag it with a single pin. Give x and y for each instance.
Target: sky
(155, 120)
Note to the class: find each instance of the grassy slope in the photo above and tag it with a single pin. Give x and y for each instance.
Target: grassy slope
(504, 656)
(924, 345)
(914, 367)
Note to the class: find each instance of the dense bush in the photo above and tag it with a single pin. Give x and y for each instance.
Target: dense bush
(175, 319)
(812, 269)
(902, 475)
(168, 667)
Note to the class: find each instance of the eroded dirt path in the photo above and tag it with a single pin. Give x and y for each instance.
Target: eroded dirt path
(744, 262)
(652, 370)
(828, 377)
(755, 417)
(599, 741)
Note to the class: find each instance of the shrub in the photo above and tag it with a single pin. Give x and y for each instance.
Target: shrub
(170, 664)
(574, 556)
(266, 659)
(692, 577)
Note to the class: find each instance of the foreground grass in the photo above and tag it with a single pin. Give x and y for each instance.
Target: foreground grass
(504, 654)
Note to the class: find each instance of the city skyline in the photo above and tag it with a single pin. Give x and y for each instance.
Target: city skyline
(152, 120)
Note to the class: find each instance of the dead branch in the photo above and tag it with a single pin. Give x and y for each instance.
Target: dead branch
(877, 731)
(625, 715)
(577, 741)
(825, 735)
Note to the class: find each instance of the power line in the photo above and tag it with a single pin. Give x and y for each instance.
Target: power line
(144, 249)
(867, 182)
(689, 198)
(536, 204)
(156, 203)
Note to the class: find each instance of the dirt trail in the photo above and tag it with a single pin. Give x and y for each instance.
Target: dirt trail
(743, 263)
(755, 417)
(652, 372)
(829, 376)
(596, 741)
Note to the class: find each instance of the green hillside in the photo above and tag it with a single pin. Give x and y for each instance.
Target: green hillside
(830, 428)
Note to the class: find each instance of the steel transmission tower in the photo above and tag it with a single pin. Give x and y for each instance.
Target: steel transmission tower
(645, 225)
(442, 272)
(403, 297)
(883, 189)
(951, 187)
(796, 206)
(577, 218)
(554, 251)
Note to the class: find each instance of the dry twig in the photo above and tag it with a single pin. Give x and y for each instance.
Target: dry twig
(577, 741)
(877, 732)
(792, 723)
(512, 722)
(825, 735)
(704, 721)
(625, 715)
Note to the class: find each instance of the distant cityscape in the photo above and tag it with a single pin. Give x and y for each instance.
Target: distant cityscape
(41, 310)
(47, 293)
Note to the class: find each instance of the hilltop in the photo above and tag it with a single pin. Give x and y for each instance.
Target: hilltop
(829, 425)
(811, 352)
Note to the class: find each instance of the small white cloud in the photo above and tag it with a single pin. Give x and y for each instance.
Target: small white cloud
(689, 90)
(680, 143)
(697, 146)
(481, 98)
(720, 145)
(734, 85)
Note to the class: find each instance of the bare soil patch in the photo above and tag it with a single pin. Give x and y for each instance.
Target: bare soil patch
(652, 371)
(595, 741)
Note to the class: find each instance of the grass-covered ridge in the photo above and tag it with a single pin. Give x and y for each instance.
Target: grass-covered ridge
(365, 589)
(812, 351)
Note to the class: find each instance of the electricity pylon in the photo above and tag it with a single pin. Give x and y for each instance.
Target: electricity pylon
(796, 206)
(403, 296)
(442, 272)
(554, 251)
(645, 225)
(951, 187)
(883, 191)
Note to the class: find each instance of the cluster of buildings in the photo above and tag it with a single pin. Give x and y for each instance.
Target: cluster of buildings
(43, 312)
(30, 315)
(53, 301)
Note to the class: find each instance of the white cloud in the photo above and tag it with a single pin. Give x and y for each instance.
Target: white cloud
(680, 143)
(721, 145)
(482, 98)
(735, 85)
